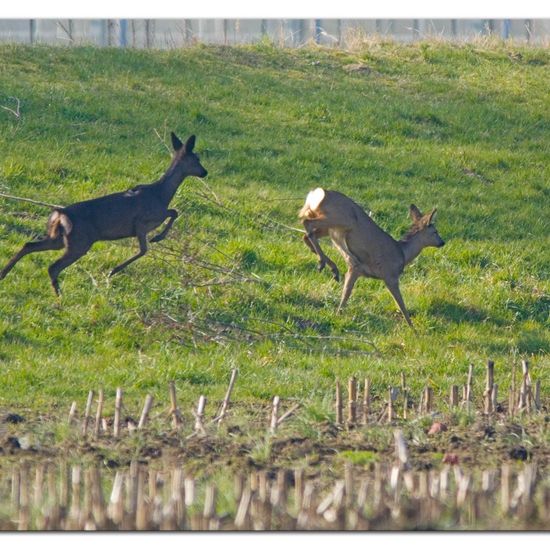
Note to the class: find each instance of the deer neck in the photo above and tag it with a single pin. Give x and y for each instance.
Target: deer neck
(170, 182)
(411, 248)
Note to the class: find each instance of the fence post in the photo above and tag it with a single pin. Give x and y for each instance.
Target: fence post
(123, 35)
(453, 27)
(318, 31)
(528, 29)
(415, 29)
(506, 29)
(32, 31)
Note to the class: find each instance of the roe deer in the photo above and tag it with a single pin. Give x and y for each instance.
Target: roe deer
(131, 213)
(367, 249)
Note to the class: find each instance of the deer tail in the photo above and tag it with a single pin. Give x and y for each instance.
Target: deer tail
(313, 200)
(59, 224)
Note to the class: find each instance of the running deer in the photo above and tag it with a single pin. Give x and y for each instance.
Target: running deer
(367, 249)
(131, 213)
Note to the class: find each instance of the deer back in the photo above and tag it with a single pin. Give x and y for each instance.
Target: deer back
(362, 243)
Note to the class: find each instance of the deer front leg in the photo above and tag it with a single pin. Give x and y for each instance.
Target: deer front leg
(393, 287)
(349, 281)
(142, 239)
(172, 214)
(312, 234)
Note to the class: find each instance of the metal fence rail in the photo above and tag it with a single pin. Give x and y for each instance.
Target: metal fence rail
(173, 33)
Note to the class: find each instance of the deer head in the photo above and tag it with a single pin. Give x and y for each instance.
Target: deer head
(184, 157)
(423, 228)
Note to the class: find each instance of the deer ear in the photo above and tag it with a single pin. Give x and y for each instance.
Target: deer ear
(431, 215)
(414, 213)
(190, 144)
(176, 142)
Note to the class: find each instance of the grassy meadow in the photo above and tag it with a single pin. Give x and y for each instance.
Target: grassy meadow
(464, 128)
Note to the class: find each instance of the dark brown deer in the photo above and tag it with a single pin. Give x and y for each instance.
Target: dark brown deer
(367, 249)
(132, 213)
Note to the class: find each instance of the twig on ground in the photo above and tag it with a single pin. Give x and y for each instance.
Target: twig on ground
(32, 201)
(288, 413)
(15, 112)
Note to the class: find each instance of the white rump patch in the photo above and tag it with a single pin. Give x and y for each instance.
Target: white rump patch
(315, 198)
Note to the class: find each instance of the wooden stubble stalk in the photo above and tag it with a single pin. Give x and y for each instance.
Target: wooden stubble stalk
(115, 508)
(366, 401)
(488, 409)
(74, 512)
(99, 412)
(390, 405)
(38, 485)
(72, 413)
(469, 383)
(505, 488)
(405, 395)
(118, 411)
(512, 394)
(242, 510)
(174, 411)
(274, 414)
(199, 415)
(427, 400)
(494, 397)
(537, 396)
(524, 401)
(98, 502)
(339, 411)
(298, 488)
(87, 412)
(15, 488)
(401, 449)
(352, 401)
(453, 401)
(145, 412)
(209, 510)
(24, 498)
(142, 522)
(226, 399)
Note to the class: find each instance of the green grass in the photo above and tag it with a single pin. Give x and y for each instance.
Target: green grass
(464, 128)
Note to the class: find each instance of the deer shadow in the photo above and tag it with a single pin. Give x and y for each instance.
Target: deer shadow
(453, 312)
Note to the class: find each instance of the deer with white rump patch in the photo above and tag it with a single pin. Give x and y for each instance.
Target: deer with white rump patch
(367, 249)
(132, 213)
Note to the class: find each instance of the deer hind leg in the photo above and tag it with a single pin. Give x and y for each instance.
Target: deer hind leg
(349, 281)
(393, 287)
(172, 214)
(311, 240)
(72, 254)
(29, 248)
(142, 239)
